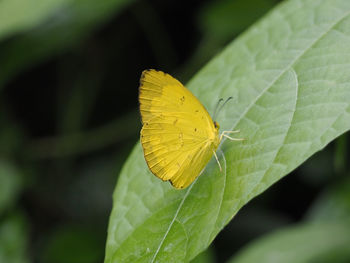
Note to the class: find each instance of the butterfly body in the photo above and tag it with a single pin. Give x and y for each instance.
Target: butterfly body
(178, 135)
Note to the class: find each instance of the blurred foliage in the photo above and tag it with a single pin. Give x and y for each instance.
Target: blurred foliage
(68, 82)
(63, 23)
(341, 155)
(204, 257)
(333, 204)
(10, 184)
(32, 32)
(304, 243)
(222, 20)
(323, 236)
(19, 15)
(74, 244)
(14, 239)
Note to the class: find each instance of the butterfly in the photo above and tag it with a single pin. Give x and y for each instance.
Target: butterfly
(178, 135)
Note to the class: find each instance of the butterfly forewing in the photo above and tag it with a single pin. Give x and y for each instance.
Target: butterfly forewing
(161, 93)
(178, 136)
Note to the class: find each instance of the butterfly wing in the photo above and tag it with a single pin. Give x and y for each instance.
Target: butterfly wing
(172, 150)
(160, 93)
(178, 136)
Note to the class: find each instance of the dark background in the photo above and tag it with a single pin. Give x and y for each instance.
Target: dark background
(69, 119)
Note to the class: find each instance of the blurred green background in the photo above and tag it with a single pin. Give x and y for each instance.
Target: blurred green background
(69, 72)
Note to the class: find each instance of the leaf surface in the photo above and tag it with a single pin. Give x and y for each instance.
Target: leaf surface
(311, 242)
(289, 76)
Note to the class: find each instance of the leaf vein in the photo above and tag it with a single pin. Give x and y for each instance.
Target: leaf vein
(290, 65)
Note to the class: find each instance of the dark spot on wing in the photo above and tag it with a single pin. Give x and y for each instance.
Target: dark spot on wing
(182, 99)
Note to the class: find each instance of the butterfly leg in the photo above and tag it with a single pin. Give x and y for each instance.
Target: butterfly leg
(217, 159)
(224, 134)
(236, 131)
(232, 139)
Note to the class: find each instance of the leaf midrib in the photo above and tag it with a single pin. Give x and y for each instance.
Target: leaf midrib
(172, 221)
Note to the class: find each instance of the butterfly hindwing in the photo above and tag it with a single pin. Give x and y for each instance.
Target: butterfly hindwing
(173, 150)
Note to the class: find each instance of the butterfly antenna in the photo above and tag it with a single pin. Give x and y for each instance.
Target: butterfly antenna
(216, 108)
(228, 99)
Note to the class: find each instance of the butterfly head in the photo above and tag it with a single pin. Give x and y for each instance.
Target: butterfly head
(216, 125)
(216, 138)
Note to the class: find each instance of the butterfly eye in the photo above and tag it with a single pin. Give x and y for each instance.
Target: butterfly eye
(216, 125)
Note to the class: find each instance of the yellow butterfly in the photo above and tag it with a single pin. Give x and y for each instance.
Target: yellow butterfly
(178, 135)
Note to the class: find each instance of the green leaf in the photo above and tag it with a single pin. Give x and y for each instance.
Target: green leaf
(20, 15)
(289, 76)
(326, 242)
